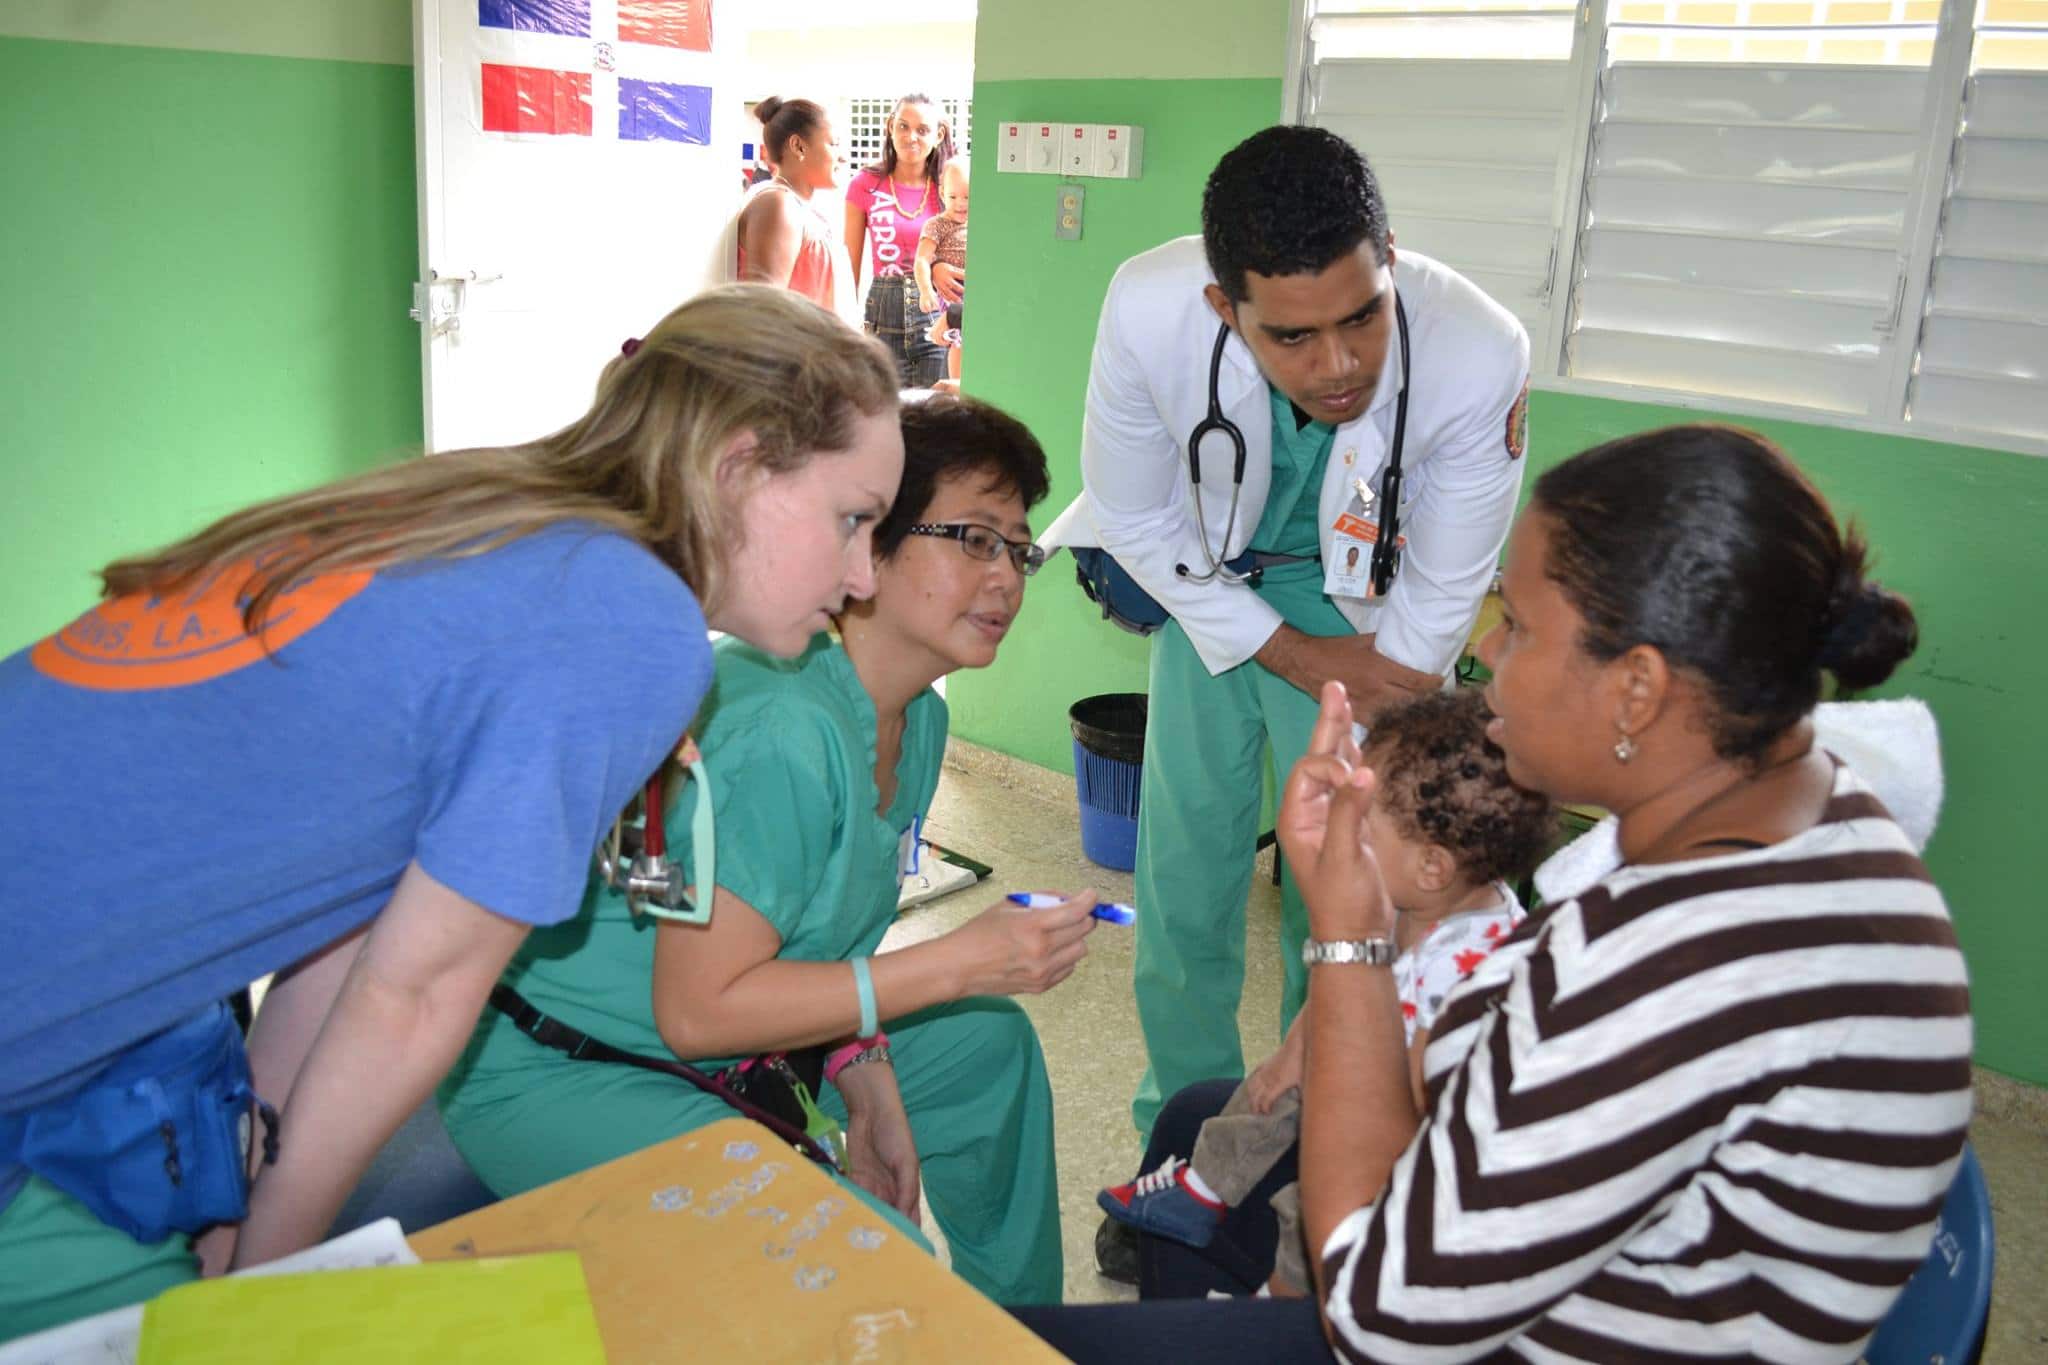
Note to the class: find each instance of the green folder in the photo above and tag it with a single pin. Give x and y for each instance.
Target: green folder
(507, 1309)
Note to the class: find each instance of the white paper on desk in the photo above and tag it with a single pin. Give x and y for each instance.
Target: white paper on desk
(379, 1243)
(114, 1338)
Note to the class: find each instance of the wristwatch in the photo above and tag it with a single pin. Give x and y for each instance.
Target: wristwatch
(1373, 952)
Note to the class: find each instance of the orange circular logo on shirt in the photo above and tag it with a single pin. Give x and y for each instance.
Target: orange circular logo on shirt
(146, 641)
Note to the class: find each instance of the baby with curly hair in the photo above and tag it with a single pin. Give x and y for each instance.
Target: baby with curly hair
(1451, 834)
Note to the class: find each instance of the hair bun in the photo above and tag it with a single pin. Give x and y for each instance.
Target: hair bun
(1871, 630)
(767, 109)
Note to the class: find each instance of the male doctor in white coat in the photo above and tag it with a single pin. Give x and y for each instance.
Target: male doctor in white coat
(1296, 261)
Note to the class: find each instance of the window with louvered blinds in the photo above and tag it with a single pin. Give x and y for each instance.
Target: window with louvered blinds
(1983, 340)
(1835, 209)
(1743, 228)
(1467, 115)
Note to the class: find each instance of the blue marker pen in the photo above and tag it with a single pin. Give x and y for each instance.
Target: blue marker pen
(1112, 912)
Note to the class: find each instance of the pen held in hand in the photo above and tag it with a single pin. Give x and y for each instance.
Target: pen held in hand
(1112, 912)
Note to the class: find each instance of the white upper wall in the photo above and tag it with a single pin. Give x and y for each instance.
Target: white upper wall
(829, 61)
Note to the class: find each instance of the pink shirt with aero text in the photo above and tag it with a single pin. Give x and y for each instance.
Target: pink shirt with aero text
(895, 218)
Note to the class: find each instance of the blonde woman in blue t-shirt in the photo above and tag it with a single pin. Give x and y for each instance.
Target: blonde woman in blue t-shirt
(365, 737)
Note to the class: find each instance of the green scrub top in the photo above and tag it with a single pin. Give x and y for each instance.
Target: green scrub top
(789, 746)
(1290, 524)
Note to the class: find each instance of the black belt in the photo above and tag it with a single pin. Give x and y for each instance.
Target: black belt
(554, 1034)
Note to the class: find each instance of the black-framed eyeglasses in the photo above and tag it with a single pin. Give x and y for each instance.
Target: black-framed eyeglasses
(985, 543)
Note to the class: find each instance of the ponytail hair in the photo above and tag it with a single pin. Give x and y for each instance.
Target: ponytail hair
(783, 119)
(1709, 544)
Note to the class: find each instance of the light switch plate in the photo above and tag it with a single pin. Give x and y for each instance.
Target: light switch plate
(1077, 149)
(1066, 219)
(1042, 147)
(1010, 155)
(1119, 151)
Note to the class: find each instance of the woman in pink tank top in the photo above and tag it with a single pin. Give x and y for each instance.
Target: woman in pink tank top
(887, 206)
(783, 239)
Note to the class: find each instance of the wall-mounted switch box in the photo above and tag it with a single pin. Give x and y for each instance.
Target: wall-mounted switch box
(1119, 151)
(1077, 150)
(1042, 147)
(1010, 148)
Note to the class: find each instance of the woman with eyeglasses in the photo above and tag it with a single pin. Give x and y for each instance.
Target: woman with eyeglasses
(820, 771)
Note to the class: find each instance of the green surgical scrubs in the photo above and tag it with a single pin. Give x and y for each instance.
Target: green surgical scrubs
(1207, 738)
(62, 1262)
(789, 747)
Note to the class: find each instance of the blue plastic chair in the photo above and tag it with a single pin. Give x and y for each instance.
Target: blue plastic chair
(1939, 1319)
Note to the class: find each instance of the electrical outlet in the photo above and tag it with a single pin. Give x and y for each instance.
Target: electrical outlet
(1066, 221)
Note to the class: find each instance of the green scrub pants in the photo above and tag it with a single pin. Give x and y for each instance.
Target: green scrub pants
(1206, 740)
(58, 1262)
(973, 1082)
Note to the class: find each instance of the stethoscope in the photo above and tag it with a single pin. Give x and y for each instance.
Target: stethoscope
(1386, 551)
(653, 884)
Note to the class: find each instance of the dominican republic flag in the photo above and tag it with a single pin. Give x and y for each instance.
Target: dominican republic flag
(559, 68)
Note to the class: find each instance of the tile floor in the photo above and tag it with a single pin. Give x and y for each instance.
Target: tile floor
(1023, 820)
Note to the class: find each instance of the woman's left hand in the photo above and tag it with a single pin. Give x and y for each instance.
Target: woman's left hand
(881, 1156)
(949, 282)
(1321, 828)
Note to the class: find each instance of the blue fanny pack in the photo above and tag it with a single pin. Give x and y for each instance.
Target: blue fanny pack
(1126, 604)
(1123, 602)
(154, 1144)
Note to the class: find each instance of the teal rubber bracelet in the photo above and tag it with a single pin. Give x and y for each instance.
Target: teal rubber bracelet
(864, 982)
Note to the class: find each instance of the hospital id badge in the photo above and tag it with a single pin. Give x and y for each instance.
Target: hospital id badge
(1347, 570)
(910, 851)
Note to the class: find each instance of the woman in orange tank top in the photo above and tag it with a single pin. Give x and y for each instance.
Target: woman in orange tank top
(783, 239)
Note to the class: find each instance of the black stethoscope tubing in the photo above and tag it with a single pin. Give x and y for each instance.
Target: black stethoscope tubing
(1386, 553)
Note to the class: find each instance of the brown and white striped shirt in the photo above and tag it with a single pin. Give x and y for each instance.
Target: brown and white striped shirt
(1703, 1110)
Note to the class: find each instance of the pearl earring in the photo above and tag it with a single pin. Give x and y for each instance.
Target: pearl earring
(1624, 748)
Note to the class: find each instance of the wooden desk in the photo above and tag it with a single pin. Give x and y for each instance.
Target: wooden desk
(724, 1244)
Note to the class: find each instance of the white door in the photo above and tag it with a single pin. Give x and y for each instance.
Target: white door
(578, 160)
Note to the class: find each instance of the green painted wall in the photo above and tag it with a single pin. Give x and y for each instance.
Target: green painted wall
(1035, 305)
(206, 262)
(1957, 528)
(347, 31)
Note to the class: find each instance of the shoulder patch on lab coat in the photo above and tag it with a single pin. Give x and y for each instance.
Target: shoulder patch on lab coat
(1518, 424)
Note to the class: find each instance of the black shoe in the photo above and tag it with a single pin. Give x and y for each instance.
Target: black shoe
(1116, 1252)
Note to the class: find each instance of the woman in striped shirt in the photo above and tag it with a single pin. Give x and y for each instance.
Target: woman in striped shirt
(1708, 1106)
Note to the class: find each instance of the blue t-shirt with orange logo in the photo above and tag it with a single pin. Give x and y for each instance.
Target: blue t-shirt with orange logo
(180, 815)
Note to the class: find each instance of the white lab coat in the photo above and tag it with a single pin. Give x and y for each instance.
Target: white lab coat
(1148, 385)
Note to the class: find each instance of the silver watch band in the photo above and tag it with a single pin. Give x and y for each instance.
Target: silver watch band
(1373, 952)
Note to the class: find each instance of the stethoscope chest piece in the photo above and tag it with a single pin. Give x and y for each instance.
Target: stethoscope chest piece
(635, 862)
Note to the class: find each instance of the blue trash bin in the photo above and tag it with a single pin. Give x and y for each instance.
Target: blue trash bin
(1109, 758)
